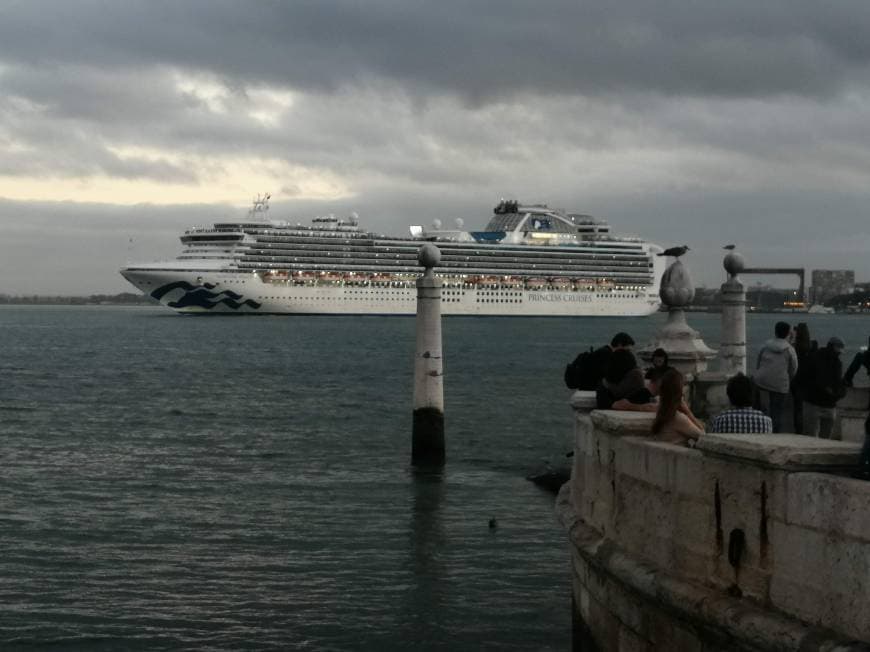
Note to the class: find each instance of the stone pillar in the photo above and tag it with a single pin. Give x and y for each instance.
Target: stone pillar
(427, 439)
(687, 352)
(732, 352)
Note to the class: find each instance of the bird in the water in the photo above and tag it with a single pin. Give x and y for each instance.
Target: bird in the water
(676, 252)
(729, 247)
(493, 524)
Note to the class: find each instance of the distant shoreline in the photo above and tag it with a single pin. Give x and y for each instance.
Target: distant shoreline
(122, 299)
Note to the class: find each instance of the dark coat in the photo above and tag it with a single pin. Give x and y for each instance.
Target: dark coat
(803, 375)
(824, 386)
(861, 359)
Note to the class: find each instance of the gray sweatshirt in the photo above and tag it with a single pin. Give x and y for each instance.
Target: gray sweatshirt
(777, 364)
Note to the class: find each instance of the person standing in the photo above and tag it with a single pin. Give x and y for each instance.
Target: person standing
(824, 389)
(861, 359)
(803, 349)
(777, 364)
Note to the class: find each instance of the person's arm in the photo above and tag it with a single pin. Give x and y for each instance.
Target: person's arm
(625, 404)
(792, 362)
(685, 410)
(854, 366)
(688, 426)
(839, 385)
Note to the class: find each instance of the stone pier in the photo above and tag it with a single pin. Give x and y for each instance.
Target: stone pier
(746, 542)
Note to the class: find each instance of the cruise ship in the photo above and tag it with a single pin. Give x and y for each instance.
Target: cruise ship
(530, 260)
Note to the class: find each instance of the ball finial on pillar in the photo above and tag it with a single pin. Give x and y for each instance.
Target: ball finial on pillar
(686, 350)
(733, 263)
(429, 256)
(677, 289)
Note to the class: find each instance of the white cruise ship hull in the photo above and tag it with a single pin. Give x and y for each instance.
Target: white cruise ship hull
(234, 292)
(529, 261)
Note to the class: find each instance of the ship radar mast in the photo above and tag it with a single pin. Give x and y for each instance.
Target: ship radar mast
(260, 206)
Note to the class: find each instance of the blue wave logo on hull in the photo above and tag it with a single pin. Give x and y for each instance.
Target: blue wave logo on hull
(202, 296)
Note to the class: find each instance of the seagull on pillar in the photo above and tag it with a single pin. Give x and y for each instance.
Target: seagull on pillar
(676, 252)
(730, 247)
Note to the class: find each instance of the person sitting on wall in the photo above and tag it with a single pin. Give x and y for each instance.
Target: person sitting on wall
(587, 369)
(674, 422)
(644, 400)
(660, 363)
(741, 417)
(622, 379)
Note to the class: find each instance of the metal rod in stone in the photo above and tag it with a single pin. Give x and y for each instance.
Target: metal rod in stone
(427, 438)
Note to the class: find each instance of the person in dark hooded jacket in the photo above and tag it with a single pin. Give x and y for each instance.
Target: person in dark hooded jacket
(623, 379)
(804, 349)
(660, 364)
(824, 389)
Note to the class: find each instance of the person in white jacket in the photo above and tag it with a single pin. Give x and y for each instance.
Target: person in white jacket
(776, 366)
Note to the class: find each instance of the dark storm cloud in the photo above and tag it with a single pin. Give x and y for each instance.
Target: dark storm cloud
(679, 120)
(478, 50)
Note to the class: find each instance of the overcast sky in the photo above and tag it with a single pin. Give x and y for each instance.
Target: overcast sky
(684, 121)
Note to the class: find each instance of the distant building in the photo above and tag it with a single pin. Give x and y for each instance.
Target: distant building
(828, 283)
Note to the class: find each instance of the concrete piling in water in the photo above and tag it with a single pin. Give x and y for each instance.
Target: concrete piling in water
(427, 439)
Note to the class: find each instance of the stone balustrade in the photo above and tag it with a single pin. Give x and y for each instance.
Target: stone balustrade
(743, 542)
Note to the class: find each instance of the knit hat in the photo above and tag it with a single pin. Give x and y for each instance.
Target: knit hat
(836, 342)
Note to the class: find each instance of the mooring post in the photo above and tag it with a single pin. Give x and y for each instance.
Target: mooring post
(427, 440)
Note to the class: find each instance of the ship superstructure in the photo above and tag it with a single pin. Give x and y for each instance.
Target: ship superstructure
(530, 260)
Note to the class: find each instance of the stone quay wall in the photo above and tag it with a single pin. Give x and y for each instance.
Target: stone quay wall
(746, 542)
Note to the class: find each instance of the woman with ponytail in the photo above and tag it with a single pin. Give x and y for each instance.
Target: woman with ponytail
(674, 422)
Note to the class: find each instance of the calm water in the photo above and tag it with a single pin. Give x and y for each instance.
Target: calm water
(244, 483)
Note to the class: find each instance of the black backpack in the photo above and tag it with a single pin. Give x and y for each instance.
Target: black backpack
(581, 373)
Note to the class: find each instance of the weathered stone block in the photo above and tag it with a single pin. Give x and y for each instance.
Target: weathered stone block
(619, 424)
(667, 466)
(791, 452)
(583, 401)
(829, 503)
(822, 578)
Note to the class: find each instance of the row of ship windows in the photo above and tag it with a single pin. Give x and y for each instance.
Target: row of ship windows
(406, 297)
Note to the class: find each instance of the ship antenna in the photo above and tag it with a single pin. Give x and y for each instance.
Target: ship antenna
(261, 205)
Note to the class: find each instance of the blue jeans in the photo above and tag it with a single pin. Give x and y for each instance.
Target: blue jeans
(774, 404)
(819, 421)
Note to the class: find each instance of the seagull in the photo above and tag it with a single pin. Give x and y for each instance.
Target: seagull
(729, 247)
(676, 252)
